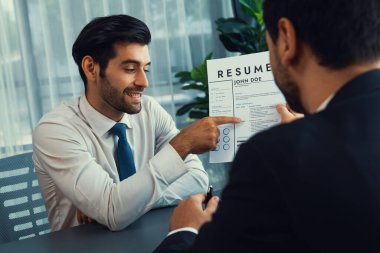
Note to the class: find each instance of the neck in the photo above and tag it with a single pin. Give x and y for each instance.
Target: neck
(318, 83)
(102, 107)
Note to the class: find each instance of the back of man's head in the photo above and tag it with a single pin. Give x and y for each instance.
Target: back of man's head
(340, 32)
(100, 35)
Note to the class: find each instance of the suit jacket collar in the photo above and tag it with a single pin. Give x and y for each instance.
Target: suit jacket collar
(361, 85)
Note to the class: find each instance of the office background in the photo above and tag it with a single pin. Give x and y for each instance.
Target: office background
(37, 71)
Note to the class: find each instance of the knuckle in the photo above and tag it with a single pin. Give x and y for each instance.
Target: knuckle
(209, 122)
(206, 119)
(191, 198)
(179, 205)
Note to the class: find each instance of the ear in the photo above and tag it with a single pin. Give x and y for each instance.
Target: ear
(90, 68)
(286, 42)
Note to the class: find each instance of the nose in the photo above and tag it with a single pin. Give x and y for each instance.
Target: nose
(141, 79)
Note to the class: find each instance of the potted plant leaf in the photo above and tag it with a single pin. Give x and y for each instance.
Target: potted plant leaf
(196, 79)
(237, 35)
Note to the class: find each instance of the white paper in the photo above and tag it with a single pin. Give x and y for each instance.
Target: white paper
(241, 86)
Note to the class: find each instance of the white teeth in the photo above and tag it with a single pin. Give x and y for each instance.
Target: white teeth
(134, 94)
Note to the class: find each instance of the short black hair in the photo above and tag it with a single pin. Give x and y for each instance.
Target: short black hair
(97, 39)
(340, 32)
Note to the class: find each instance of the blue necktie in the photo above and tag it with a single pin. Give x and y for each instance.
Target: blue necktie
(124, 157)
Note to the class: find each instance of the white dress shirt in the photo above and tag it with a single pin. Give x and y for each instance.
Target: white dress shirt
(73, 153)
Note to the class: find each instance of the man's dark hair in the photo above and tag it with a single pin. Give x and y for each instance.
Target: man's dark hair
(97, 39)
(340, 32)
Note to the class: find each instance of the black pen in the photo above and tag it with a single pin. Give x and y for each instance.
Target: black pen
(209, 195)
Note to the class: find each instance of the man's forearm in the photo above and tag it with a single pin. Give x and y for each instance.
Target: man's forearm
(180, 146)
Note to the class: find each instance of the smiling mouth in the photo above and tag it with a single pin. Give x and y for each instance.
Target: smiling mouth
(135, 95)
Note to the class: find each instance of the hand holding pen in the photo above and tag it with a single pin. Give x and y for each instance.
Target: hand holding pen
(192, 211)
(208, 195)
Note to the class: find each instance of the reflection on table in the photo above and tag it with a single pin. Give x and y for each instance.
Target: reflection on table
(141, 236)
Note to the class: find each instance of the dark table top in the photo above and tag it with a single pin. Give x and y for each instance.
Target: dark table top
(143, 235)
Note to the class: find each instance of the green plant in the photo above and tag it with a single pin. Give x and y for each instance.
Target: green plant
(239, 36)
(196, 79)
(236, 36)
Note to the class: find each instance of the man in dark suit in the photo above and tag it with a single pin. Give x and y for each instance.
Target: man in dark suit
(312, 185)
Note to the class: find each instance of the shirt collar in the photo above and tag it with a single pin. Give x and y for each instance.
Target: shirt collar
(99, 123)
(325, 103)
(126, 119)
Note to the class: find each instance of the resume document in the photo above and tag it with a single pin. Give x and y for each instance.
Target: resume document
(244, 87)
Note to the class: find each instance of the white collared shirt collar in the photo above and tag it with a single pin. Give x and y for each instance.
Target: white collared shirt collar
(325, 103)
(99, 123)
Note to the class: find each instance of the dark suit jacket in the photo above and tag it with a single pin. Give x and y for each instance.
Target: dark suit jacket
(309, 186)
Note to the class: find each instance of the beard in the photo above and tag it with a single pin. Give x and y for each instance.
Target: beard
(117, 100)
(287, 86)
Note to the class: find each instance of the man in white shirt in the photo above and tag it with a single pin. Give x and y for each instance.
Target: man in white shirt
(74, 150)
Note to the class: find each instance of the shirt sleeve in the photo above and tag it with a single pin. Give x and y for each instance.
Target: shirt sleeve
(63, 158)
(195, 180)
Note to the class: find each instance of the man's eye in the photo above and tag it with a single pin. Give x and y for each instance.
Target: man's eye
(146, 70)
(130, 70)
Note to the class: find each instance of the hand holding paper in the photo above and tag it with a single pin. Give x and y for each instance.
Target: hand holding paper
(287, 114)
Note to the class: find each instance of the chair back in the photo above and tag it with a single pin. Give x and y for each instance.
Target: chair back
(22, 209)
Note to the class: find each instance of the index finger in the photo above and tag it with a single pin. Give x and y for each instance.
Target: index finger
(199, 197)
(220, 120)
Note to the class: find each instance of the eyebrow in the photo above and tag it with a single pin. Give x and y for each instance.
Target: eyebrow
(133, 62)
